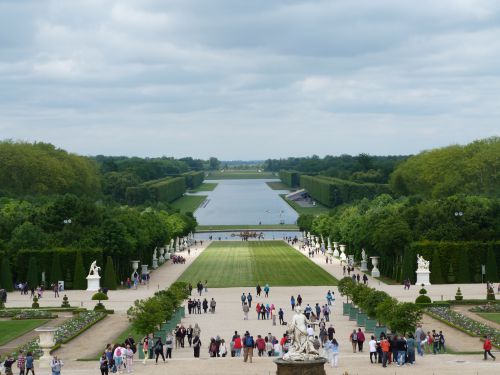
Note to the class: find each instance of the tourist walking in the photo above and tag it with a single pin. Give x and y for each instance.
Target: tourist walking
(292, 302)
(410, 349)
(222, 348)
(56, 364)
(196, 346)
(281, 315)
(249, 299)
(361, 340)
(104, 365)
(21, 362)
(212, 306)
(237, 344)
(385, 345)
(299, 300)
(129, 359)
(189, 334)
(169, 344)
(159, 350)
(145, 349)
(196, 330)
(258, 289)
(248, 345)
(335, 354)
(246, 309)
(487, 348)
(266, 291)
(243, 299)
(372, 344)
(353, 338)
(420, 337)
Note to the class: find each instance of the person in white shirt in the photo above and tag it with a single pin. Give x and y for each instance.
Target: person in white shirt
(129, 359)
(277, 349)
(372, 344)
(222, 348)
(310, 331)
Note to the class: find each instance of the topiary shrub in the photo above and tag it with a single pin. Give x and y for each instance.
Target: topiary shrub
(65, 301)
(99, 296)
(458, 295)
(35, 303)
(423, 299)
(490, 295)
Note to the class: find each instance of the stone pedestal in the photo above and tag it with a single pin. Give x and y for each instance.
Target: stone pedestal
(315, 367)
(155, 263)
(93, 283)
(46, 344)
(375, 270)
(423, 277)
(364, 266)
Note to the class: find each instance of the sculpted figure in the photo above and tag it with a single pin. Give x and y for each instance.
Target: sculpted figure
(301, 347)
(422, 264)
(94, 269)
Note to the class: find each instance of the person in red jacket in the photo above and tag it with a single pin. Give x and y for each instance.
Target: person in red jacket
(237, 344)
(487, 348)
(260, 343)
(257, 308)
(361, 340)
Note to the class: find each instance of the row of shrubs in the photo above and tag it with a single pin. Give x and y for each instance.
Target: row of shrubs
(163, 190)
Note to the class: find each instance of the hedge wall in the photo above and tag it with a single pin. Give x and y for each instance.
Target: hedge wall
(162, 190)
(137, 195)
(194, 179)
(455, 262)
(44, 260)
(290, 178)
(334, 191)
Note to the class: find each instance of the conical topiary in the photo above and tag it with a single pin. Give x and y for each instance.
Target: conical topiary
(491, 266)
(463, 274)
(65, 302)
(451, 274)
(423, 298)
(490, 293)
(55, 271)
(79, 280)
(436, 271)
(32, 278)
(458, 295)
(6, 275)
(35, 303)
(109, 280)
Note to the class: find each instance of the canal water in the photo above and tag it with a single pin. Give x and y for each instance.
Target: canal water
(244, 202)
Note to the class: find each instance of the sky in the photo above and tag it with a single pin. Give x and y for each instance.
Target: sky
(240, 79)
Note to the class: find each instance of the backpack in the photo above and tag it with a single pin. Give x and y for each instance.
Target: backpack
(354, 337)
(118, 352)
(422, 336)
(249, 342)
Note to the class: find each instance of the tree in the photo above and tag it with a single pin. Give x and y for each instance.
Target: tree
(213, 163)
(146, 315)
(345, 287)
(404, 317)
(99, 296)
(109, 280)
(55, 271)
(6, 275)
(79, 280)
(436, 269)
(33, 278)
(375, 298)
(491, 266)
(305, 222)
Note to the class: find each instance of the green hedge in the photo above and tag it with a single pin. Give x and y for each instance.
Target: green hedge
(194, 179)
(66, 260)
(290, 178)
(334, 191)
(458, 262)
(162, 190)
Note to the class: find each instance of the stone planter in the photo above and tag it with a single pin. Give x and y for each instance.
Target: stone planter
(46, 344)
(353, 313)
(370, 325)
(361, 318)
(346, 308)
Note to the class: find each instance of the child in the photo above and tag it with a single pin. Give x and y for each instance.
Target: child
(30, 363)
(8, 365)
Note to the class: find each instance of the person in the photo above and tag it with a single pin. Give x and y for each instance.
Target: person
(292, 302)
(331, 332)
(205, 305)
(249, 299)
(56, 365)
(299, 300)
(245, 309)
(205, 285)
(361, 340)
(419, 337)
(258, 289)
(212, 306)
(145, 349)
(243, 299)
(435, 342)
(196, 346)
(104, 364)
(21, 362)
(365, 279)
(410, 349)
(169, 341)
(401, 348)
(189, 334)
(30, 363)
(372, 344)
(335, 353)
(237, 344)
(487, 348)
(353, 338)
(129, 359)
(248, 344)
(222, 348)
(441, 342)
(266, 291)
(281, 316)
(212, 348)
(159, 350)
(8, 365)
(260, 343)
(151, 346)
(385, 345)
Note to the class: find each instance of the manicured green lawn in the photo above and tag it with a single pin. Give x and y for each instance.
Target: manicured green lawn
(228, 264)
(316, 210)
(209, 228)
(11, 329)
(188, 203)
(494, 317)
(206, 186)
(277, 185)
(238, 175)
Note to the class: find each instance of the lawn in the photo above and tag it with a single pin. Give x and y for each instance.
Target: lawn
(493, 317)
(11, 329)
(210, 228)
(244, 264)
(206, 186)
(316, 210)
(188, 203)
(277, 185)
(238, 175)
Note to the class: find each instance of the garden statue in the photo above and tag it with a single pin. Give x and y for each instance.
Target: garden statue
(422, 264)
(364, 261)
(93, 278)
(301, 347)
(94, 269)
(423, 273)
(363, 255)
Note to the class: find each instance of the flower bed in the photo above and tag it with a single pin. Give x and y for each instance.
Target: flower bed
(464, 323)
(27, 314)
(489, 308)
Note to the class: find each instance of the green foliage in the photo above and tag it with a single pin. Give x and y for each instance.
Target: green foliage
(470, 169)
(65, 302)
(491, 266)
(33, 277)
(40, 168)
(372, 300)
(109, 279)
(404, 317)
(423, 299)
(290, 178)
(99, 296)
(345, 287)
(79, 278)
(333, 191)
(35, 304)
(305, 222)
(436, 269)
(490, 293)
(55, 270)
(6, 275)
(194, 179)
(458, 295)
(163, 190)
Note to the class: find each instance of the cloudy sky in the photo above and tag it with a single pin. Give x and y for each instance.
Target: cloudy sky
(249, 79)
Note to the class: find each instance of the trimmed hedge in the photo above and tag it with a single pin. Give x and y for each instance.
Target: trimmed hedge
(163, 190)
(290, 178)
(334, 191)
(66, 260)
(194, 179)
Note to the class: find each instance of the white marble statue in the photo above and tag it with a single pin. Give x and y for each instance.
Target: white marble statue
(422, 264)
(155, 254)
(363, 255)
(94, 269)
(302, 347)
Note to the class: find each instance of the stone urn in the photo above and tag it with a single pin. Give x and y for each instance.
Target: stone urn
(375, 270)
(336, 253)
(46, 343)
(343, 257)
